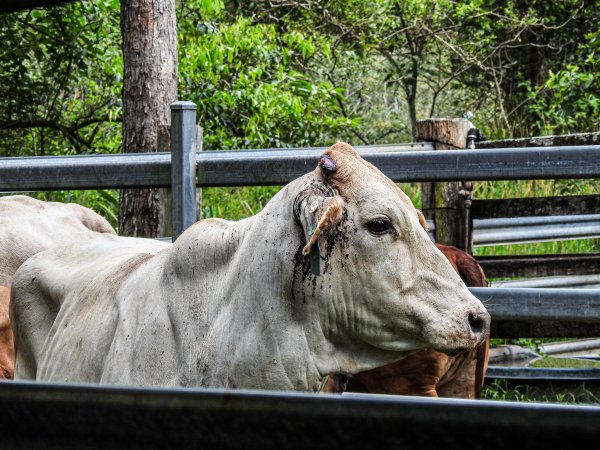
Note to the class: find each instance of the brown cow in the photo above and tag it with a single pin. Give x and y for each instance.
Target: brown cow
(428, 372)
(7, 357)
(29, 226)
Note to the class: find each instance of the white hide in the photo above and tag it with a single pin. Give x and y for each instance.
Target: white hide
(29, 226)
(234, 304)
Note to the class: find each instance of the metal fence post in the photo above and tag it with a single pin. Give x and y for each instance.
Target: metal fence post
(183, 165)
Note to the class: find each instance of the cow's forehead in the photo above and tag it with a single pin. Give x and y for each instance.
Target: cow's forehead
(358, 181)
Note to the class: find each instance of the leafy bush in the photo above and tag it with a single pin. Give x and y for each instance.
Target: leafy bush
(246, 80)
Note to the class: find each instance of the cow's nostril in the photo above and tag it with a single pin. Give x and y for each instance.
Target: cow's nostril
(476, 323)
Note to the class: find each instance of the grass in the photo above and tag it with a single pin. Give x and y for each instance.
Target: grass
(574, 393)
(543, 248)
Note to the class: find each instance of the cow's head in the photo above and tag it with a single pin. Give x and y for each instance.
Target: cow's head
(381, 289)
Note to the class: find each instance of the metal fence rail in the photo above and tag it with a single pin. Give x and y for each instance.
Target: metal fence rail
(531, 266)
(71, 416)
(541, 304)
(546, 374)
(519, 230)
(275, 167)
(591, 281)
(279, 166)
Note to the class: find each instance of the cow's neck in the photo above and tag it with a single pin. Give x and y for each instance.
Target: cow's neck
(243, 308)
(257, 310)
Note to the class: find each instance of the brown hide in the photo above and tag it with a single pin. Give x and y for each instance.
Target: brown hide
(7, 354)
(428, 372)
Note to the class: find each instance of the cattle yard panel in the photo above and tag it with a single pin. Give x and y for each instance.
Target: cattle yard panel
(41, 415)
(529, 266)
(464, 222)
(552, 213)
(277, 167)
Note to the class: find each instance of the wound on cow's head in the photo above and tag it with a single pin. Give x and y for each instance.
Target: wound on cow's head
(327, 164)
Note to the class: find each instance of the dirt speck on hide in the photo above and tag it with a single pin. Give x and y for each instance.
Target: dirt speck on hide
(301, 269)
(339, 236)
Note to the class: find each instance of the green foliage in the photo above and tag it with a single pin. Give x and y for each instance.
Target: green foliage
(235, 203)
(569, 101)
(60, 72)
(251, 93)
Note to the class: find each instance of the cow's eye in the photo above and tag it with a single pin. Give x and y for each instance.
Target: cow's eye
(379, 226)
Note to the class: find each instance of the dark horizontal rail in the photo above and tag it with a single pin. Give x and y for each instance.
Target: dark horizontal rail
(527, 266)
(559, 305)
(85, 416)
(535, 206)
(514, 329)
(16, 5)
(246, 168)
(275, 167)
(544, 141)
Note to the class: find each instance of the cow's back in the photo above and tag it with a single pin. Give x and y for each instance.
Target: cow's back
(56, 300)
(27, 227)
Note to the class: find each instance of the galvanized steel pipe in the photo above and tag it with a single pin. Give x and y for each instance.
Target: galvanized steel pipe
(515, 230)
(575, 281)
(519, 304)
(276, 167)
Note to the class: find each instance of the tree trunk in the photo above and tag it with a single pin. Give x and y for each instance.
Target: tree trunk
(410, 88)
(411, 100)
(149, 35)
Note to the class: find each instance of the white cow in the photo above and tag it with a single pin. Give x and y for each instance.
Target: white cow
(28, 226)
(238, 304)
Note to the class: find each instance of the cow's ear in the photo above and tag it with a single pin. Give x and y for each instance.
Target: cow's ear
(422, 220)
(324, 217)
